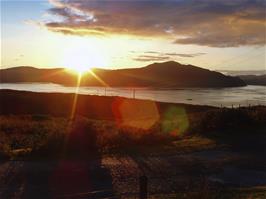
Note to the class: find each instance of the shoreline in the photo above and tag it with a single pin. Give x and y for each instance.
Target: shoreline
(92, 106)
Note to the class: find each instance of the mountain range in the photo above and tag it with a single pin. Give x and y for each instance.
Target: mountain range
(162, 75)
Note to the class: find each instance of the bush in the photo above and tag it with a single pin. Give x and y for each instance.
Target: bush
(230, 119)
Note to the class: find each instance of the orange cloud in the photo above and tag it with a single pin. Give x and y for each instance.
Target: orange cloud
(216, 23)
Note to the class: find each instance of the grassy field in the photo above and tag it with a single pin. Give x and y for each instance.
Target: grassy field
(185, 151)
(28, 135)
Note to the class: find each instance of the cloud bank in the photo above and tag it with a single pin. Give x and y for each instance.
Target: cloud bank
(215, 23)
(159, 56)
(148, 58)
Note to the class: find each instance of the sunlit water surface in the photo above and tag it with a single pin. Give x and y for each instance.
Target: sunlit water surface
(243, 96)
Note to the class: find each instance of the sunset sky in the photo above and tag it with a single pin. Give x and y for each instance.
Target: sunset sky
(213, 34)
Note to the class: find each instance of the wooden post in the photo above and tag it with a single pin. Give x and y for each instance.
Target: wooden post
(134, 93)
(143, 187)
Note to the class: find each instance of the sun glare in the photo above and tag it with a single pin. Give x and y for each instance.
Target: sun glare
(81, 58)
(78, 63)
(80, 69)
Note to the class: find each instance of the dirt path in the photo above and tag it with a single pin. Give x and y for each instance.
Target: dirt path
(191, 167)
(117, 176)
(204, 170)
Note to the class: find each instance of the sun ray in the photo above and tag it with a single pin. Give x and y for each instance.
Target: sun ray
(73, 113)
(98, 78)
(74, 106)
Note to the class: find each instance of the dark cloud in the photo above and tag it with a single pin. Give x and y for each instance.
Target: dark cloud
(148, 58)
(216, 23)
(187, 55)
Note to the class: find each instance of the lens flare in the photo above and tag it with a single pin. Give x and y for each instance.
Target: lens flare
(175, 121)
(135, 113)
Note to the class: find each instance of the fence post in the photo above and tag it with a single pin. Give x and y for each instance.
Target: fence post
(134, 93)
(143, 187)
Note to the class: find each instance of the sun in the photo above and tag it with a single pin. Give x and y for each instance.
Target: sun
(80, 69)
(82, 58)
(79, 63)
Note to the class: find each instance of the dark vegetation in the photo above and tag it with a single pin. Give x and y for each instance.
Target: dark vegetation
(168, 74)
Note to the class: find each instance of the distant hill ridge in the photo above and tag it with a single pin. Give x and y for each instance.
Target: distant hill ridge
(254, 79)
(167, 74)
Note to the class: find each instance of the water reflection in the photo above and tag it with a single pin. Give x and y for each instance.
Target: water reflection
(236, 96)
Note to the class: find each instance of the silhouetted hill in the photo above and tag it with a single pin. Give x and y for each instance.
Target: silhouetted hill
(254, 79)
(31, 74)
(167, 74)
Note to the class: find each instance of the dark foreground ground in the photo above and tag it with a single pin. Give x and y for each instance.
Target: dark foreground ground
(185, 151)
